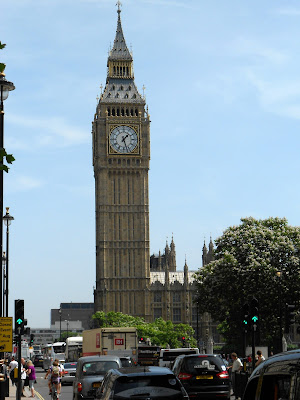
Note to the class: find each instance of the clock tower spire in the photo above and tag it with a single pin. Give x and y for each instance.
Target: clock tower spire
(121, 156)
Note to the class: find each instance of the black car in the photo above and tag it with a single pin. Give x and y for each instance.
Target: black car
(275, 378)
(90, 372)
(203, 376)
(141, 383)
(38, 360)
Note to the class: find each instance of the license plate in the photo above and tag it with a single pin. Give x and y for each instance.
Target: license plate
(204, 377)
(96, 384)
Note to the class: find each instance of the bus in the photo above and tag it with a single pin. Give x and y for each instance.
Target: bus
(168, 356)
(148, 355)
(73, 348)
(52, 351)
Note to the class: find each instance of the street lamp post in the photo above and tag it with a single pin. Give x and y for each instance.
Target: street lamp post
(7, 221)
(279, 275)
(5, 88)
(59, 311)
(67, 327)
(3, 277)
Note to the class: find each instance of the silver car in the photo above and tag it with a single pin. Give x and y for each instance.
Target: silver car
(90, 372)
(68, 373)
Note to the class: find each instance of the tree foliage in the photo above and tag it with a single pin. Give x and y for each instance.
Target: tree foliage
(3, 154)
(248, 260)
(161, 333)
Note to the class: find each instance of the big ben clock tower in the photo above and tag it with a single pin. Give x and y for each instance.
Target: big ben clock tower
(121, 155)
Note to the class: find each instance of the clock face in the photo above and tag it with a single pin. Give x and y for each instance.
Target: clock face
(123, 139)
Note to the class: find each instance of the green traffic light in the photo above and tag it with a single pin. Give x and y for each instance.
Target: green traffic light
(19, 321)
(245, 322)
(255, 318)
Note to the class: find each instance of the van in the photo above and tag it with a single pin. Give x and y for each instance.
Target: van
(276, 378)
(168, 356)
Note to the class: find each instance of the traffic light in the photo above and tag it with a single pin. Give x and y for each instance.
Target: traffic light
(142, 340)
(254, 311)
(289, 316)
(31, 338)
(19, 316)
(246, 317)
(183, 341)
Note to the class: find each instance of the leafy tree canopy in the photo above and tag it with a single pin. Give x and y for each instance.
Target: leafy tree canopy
(161, 333)
(258, 258)
(3, 154)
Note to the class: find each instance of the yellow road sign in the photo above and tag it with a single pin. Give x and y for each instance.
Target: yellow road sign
(6, 335)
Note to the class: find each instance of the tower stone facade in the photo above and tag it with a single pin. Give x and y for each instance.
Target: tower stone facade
(121, 155)
(128, 280)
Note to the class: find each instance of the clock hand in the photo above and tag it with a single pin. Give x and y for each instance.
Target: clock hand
(123, 140)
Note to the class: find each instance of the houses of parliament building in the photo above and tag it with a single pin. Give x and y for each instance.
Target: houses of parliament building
(128, 279)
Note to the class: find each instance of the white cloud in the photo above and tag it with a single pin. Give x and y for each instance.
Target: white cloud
(23, 183)
(169, 3)
(289, 11)
(280, 97)
(258, 52)
(51, 131)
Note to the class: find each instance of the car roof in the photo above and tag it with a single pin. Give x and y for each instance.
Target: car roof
(141, 371)
(284, 362)
(198, 355)
(83, 360)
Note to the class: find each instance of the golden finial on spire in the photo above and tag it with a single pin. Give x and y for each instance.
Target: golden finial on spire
(97, 98)
(101, 87)
(144, 87)
(119, 4)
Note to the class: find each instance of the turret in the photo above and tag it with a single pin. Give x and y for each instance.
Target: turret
(204, 255)
(210, 254)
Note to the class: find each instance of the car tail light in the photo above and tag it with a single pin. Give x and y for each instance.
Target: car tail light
(223, 375)
(79, 387)
(184, 376)
(66, 372)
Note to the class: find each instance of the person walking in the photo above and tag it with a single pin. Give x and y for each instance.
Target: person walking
(23, 376)
(236, 367)
(32, 377)
(260, 358)
(12, 365)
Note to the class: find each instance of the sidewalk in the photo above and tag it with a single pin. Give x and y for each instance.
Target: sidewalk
(13, 392)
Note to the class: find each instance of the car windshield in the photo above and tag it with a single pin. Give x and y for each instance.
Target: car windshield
(69, 365)
(195, 365)
(98, 367)
(126, 362)
(125, 383)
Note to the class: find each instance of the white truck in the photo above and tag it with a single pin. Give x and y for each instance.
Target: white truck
(73, 348)
(103, 341)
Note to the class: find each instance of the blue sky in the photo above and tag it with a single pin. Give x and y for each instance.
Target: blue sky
(223, 90)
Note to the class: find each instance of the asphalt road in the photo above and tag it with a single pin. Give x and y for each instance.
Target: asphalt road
(41, 388)
(42, 392)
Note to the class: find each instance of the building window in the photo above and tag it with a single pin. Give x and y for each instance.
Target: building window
(176, 314)
(176, 297)
(157, 313)
(157, 297)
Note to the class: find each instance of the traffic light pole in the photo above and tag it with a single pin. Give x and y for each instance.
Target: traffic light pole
(253, 345)
(19, 381)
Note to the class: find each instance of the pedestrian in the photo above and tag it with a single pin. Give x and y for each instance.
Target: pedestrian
(3, 379)
(260, 358)
(23, 376)
(235, 367)
(12, 365)
(31, 375)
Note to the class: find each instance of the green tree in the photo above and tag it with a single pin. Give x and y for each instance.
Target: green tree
(161, 333)
(248, 261)
(3, 154)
